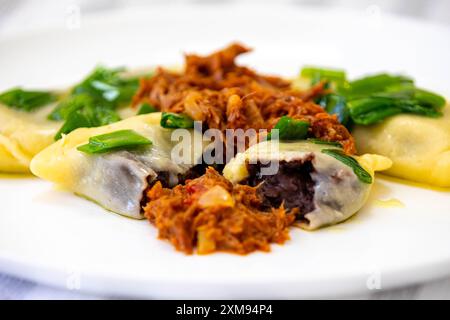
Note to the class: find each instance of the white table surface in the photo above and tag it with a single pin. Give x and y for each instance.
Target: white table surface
(23, 15)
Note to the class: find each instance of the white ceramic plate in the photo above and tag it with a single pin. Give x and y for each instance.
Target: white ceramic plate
(54, 237)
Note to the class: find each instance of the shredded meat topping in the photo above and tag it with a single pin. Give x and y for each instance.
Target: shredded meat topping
(212, 214)
(208, 212)
(215, 90)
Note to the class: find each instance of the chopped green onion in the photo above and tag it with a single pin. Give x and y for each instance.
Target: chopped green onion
(82, 111)
(367, 111)
(93, 101)
(374, 98)
(69, 105)
(359, 171)
(104, 116)
(77, 119)
(429, 98)
(175, 120)
(414, 106)
(335, 104)
(108, 86)
(375, 116)
(290, 129)
(375, 83)
(319, 74)
(122, 139)
(146, 108)
(26, 100)
(324, 142)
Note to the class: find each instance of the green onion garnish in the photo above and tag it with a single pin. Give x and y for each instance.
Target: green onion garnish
(334, 103)
(146, 108)
(376, 83)
(359, 171)
(69, 105)
(374, 98)
(122, 139)
(26, 100)
(82, 111)
(367, 111)
(290, 129)
(324, 142)
(175, 120)
(429, 98)
(371, 99)
(319, 74)
(78, 119)
(108, 86)
(93, 102)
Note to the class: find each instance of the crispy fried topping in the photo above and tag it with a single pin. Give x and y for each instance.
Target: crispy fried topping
(215, 90)
(213, 215)
(210, 213)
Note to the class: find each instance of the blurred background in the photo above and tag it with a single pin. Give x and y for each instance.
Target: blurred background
(23, 15)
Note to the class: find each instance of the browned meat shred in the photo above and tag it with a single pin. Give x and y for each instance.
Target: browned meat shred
(206, 211)
(215, 90)
(212, 214)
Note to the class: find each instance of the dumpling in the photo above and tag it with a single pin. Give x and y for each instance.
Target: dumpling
(24, 132)
(22, 135)
(118, 179)
(306, 176)
(418, 146)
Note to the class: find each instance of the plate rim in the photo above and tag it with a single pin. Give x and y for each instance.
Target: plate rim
(25, 269)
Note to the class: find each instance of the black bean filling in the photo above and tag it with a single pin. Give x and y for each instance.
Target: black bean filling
(292, 185)
(193, 173)
(168, 182)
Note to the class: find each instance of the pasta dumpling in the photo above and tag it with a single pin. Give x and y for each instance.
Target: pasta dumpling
(23, 135)
(418, 146)
(308, 177)
(117, 179)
